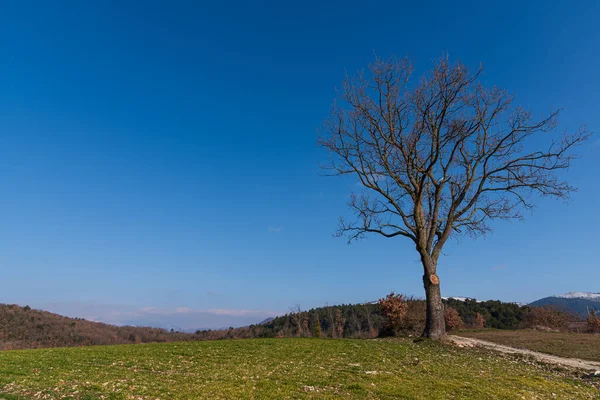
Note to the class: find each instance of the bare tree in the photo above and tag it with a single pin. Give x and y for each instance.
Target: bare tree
(370, 327)
(340, 323)
(300, 320)
(444, 156)
(331, 318)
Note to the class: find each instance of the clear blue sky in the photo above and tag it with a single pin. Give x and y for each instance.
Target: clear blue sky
(162, 156)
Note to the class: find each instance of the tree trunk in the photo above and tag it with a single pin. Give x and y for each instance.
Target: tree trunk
(435, 325)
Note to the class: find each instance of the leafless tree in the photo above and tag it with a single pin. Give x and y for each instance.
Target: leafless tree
(331, 318)
(370, 327)
(440, 157)
(300, 320)
(340, 323)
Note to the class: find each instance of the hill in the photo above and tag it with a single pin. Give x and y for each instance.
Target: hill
(283, 368)
(574, 302)
(25, 328)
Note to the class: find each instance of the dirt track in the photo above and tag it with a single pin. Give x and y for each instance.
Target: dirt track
(547, 358)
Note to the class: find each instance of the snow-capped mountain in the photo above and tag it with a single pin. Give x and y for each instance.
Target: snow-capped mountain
(580, 295)
(457, 298)
(576, 302)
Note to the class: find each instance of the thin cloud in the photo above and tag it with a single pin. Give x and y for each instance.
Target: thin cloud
(275, 229)
(499, 267)
(240, 313)
(187, 310)
(178, 317)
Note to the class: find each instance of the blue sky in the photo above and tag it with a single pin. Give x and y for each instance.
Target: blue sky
(159, 158)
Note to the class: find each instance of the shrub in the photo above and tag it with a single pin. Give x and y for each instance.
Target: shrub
(593, 322)
(394, 308)
(452, 319)
(478, 321)
(317, 330)
(415, 318)
(547, 316)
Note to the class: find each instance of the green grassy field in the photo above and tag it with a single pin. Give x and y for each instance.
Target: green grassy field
(280, 369)
(564, 344)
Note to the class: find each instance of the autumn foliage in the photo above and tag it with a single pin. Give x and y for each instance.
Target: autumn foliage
(478, 321)
(394, 308)
(548, 317)
(452, 319)
(593, 322)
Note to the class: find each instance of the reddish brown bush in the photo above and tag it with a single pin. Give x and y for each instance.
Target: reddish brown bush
(394, 308)
(453, 320)
(547, 317)
(478, 321)
(593, 322)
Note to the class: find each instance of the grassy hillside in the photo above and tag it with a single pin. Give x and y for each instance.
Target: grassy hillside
(281, 368)
(24, 328)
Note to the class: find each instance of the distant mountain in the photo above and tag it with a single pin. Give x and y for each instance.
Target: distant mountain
(581, 295)
(266, 321)
(575, 302)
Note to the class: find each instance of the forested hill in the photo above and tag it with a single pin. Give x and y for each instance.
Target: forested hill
(366, 320)
(25, 328)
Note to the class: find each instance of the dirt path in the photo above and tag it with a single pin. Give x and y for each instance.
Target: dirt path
(547, 358)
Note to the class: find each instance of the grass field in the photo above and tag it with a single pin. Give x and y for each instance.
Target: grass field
(282, 368)
(578, 345)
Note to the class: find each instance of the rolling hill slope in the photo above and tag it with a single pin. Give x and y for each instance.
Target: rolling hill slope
(298, 368)
(24, 328)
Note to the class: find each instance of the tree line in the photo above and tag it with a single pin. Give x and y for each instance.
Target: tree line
(394, 315)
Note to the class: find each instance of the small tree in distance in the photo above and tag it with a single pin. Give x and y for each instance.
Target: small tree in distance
(452, 319)
(340, 322)
(593, 322)
(440, 158)
(479, 321)
(394, 309)
(317, 329)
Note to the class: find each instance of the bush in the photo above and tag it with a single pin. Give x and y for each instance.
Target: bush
(317, 330)
(453, 320)
(548, 317)
(593, 322)
(478, 321)
(415, 318)
(394, 309)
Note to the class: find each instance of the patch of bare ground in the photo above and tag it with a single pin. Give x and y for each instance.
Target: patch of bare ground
(563, 344)
(592, 366)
